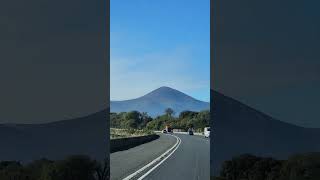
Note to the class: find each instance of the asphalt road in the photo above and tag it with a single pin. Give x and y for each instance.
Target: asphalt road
(123, 163)
(191, 161)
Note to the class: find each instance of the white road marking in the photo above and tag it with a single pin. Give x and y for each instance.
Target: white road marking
(152, 169)
(174, 148)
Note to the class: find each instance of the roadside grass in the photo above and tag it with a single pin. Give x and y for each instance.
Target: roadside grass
(125, 133)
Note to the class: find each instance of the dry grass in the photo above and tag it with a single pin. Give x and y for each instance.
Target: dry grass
(125, 133)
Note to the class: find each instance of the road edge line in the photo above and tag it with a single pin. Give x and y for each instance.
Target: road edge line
(154, 167)
(153, 161)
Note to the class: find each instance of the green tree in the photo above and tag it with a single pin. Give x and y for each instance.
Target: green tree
(187, 114)
(135, 115)
(12, 170)
(39, 169)
(129, 124)
(169, 112)
(77, 167)
(158, 123)
(145, 119)
(103, 170)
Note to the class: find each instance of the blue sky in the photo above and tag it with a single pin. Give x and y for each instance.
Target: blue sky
(159, 43)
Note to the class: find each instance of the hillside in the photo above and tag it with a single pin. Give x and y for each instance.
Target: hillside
(86, 135)
(155, 102)
(241, 129)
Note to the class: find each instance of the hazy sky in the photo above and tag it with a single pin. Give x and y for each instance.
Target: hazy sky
(53, 60)
(159, 43)
(268, 57)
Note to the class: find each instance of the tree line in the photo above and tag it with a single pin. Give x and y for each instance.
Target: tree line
(76, 167)
(249, 167)
(141, 120)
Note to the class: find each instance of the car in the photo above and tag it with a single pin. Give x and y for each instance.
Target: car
(164, 131)
(168, 129)
(206, 132)
(190, 131)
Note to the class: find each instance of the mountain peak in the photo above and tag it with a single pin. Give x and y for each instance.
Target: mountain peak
(165, 88)
(166, 93)
(159, 99)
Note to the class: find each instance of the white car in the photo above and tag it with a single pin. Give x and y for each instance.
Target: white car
(206, 132)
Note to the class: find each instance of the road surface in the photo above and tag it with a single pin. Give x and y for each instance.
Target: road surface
(123, 163)
(191, 161)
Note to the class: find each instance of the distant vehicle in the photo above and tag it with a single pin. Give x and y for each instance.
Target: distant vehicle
(164, 131)
(206, 132)
(190, 131)
(168, 129)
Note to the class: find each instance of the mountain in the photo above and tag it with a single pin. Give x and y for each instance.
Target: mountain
(26, 142)
(155, 102)
(238, 128)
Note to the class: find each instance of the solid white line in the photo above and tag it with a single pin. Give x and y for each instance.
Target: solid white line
(152, 169)
(154, 161)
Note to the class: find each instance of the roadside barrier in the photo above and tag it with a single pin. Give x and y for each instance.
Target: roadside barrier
(194, 133)
(127, 143)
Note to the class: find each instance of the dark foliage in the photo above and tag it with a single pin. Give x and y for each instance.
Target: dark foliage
(186, 119)
(129, 120)
(137, 120)
(249, 167)
(77, 167)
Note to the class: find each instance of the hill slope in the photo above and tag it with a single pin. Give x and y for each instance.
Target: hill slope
(158, 100)
(241, 129)
(25, 142)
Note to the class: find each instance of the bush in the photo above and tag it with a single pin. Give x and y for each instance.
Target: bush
(76, 167)
(301, 166)
(129, 120)
(249, 167)
(137, 120)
